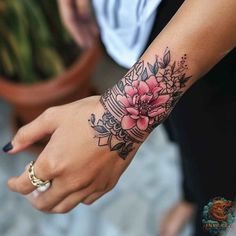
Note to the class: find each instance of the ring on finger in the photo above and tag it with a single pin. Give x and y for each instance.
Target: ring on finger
(42, 185)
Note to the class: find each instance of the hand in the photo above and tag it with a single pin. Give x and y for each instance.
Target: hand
(77, 17)
(80, 170)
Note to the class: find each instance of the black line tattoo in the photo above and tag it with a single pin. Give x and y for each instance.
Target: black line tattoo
(139, 102)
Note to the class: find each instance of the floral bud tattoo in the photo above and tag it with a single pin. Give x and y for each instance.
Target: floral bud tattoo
(139, 102)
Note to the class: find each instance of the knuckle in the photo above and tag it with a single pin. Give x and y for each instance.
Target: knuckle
(49, 114)
(101, 188)
(46, 169)
(74, 184)
(110, 186)
(54, 167)
(21, 135)
(85, 182)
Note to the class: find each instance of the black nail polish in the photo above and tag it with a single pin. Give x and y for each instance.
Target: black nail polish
(7, 147)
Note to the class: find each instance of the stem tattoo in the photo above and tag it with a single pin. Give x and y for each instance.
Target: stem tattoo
(139, 102)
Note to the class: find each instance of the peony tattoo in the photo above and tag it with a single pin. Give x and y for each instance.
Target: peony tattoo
(139, 102)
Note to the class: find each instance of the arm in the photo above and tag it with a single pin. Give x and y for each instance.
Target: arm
(145, 96)
(89, 136)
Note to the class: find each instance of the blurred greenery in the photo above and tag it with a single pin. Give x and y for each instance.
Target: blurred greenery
(34, 45)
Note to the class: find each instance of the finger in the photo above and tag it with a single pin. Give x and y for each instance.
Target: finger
(93, 197)
(42, 126)
(85, 32)
(58, 191)
(76, 31)
(77, 17)
(84, 8)
(70, 17)
(72, 201)
(83, 35)
(43, 169)
(87, 37)
(45, 201)
(92, 32)
(86, 23)
(31, 196)
(94, 29)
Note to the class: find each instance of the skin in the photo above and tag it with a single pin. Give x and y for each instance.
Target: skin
(82, 171)
(77, 17)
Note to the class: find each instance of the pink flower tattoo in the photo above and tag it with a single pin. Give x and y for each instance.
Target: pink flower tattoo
(139, 102)
(142, 103)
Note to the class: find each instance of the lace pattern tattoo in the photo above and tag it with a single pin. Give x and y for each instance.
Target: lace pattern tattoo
(139, 102)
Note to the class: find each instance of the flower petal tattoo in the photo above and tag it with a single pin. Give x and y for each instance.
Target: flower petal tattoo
(139, 102)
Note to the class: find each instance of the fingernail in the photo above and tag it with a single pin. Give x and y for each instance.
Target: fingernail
(7, 147)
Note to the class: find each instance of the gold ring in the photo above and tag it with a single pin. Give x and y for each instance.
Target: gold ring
(36, 181)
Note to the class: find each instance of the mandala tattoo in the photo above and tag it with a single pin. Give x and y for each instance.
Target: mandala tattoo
(139, 102)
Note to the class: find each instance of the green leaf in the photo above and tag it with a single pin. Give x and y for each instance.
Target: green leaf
(144, 75)
(123, 155)
(151, 67)
(118, 146)
(28, 28)
(184, 79)
(6, 62)
(155, 69)
(129, 147)
(121, 86)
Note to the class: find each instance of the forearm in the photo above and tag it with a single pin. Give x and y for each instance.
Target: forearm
(197, 37)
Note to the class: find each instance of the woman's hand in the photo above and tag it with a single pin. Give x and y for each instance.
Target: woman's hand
(93, 140)
(80, 170)
(77, 17)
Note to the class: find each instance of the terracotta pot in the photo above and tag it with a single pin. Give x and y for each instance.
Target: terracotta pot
(29, 101)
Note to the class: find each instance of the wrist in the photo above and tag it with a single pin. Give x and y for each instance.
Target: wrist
(141, 100)
(144, 97)
(109, 133)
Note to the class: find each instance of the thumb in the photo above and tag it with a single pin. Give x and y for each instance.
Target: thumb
(42, 126)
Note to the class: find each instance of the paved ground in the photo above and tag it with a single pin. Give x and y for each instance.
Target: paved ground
(134, 208)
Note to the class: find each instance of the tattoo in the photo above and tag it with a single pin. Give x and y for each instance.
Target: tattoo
(110, 133)
(139, 102)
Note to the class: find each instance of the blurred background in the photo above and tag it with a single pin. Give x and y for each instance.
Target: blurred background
(41, 66)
